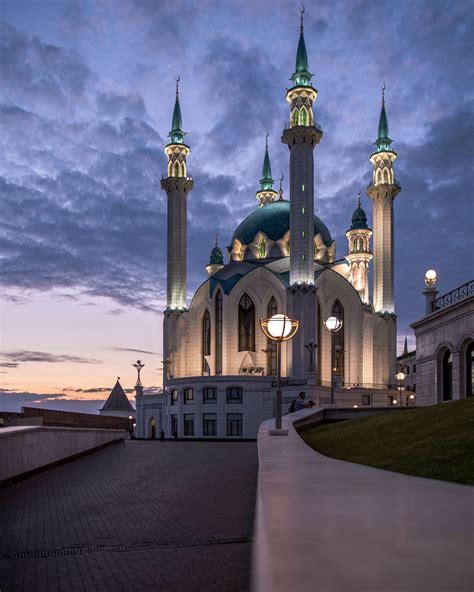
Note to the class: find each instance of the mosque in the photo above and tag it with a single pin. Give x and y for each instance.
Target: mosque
(219, 367)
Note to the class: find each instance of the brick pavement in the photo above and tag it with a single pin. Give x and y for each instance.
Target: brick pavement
(137, 516)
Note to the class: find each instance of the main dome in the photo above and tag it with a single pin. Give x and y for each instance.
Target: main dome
(274, 220)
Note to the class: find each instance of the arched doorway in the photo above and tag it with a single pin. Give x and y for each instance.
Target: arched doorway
(152, 428)
(469, 369)
(447, 375)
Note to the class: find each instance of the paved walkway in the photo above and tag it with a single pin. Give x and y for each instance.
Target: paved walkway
(325, 525)
(137, 516)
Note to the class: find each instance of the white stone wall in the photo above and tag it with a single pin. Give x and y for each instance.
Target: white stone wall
(451, 328)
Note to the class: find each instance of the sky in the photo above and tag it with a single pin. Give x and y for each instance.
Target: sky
(86, 97)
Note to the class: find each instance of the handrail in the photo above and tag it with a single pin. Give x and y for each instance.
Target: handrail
(453, 297)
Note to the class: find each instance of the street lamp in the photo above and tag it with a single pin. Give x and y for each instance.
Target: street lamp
(400, 376)
(279, 328)
(130, 423)
(332, 324)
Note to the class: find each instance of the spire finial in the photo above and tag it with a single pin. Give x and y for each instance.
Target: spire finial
(118, 377)
(266, 141)
(177, 87)
(405, 349)
(383, 94)
(302, 20)
(358, 205)
(281, 186)
(217, 237)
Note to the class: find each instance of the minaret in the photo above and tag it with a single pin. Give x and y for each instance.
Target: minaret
(216, 260)
(301, 136)
(382, 192)
(359, 254)
(266, 194)
(177, 186)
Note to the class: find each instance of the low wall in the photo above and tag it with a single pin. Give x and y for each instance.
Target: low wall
(24, 450)
(328, 525)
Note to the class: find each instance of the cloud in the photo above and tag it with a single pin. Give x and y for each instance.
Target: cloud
(22, 356)
(138, 351)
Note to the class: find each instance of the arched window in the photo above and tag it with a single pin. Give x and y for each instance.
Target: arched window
(218, 333)
(303, 116)
(206, 341)
(272, 357)
(469, 369)
(262, 248)
(295, 117)
(176, 169)
(447, 376)
(338, 349)
(246, 324)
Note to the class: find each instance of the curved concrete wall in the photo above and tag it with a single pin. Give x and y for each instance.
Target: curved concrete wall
(25, 449)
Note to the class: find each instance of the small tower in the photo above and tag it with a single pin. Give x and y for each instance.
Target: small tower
(177, 186)
(359, 254)
(117, 403)
(216, 260)
(382, 191)
(266, 194)
(301, 136)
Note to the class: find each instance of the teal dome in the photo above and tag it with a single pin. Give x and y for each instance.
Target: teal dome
(359, 219)
(274, 220)
(217, 258)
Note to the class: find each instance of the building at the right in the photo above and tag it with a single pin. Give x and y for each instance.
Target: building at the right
(445, 344)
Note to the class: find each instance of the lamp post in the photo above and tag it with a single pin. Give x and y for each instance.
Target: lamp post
(279, 328)
(400, 376)
(130, 423)
(332, 324)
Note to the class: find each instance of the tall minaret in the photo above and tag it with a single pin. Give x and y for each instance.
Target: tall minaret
(359, 254)
(177, 186)
(266, 193)
(301, 136)
(383, 191)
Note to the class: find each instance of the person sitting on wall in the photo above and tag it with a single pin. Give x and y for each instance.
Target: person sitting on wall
(299, 403)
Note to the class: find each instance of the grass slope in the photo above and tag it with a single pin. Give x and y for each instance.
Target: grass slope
(435, 441)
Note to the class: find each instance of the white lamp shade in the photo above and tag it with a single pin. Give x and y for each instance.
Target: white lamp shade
(279, 326)
(430, 274)
(333, 324)
(400, 376)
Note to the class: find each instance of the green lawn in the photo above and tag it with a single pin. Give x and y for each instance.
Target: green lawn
(435, 441)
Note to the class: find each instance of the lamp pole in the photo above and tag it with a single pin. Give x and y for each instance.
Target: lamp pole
(279, 328)
(400, 375)
(332, 324)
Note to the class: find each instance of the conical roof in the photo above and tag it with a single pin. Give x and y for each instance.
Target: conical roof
(383, 140)
(117, 400)
(301, 76)
(176, 134)
(266, 182)
(359, 217)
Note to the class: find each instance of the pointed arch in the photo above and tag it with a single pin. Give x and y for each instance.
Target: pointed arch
(246, 324)
(262, 248)
(303, 116)
(272, 309)
(218, 332)
(206, 341)
(337, 310)
(295, 117)
(386, 175)
(176, 169)
(378, 176)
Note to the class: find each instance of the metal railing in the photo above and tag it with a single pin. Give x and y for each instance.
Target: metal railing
(317, 125)
(453, 297)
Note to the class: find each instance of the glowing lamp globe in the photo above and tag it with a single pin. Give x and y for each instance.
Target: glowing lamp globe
(333, 324)
(412, 396)
(430, 278)
(395, 401)
(400, 376)
(279, 326)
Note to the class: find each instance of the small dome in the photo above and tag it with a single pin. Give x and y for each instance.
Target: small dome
(274, 220)
(359, 219)
(216, 256)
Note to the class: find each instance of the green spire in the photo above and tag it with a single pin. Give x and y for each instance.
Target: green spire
(216, 255)
(301, 75)
(176, 134)
(383, 141)
(266, 182)
(359, 217)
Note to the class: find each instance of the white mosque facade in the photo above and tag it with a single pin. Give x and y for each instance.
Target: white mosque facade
(219, 367)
